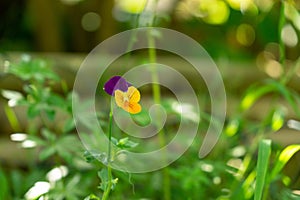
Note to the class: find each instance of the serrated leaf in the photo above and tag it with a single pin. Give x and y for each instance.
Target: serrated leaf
(103, 175)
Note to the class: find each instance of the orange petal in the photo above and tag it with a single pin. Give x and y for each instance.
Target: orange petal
(134, 108)
(133, 94)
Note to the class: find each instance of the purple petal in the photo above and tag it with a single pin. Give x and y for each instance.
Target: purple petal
(116, 83)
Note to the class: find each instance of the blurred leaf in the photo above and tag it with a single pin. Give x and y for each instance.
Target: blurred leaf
(3, 185)
(50, 114)
(17, 184)
(286, 94)
(264, 152)
(283, 158)
(33, 69)
(91, 156)
(92, 197)
(103, 175)
(46, 153)
(50, 136)
(253, 94)
(277, 119)
(32, 111)
(125, 143)
(69, 125)
(232, 127)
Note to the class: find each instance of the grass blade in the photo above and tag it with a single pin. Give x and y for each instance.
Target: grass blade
(264, 153)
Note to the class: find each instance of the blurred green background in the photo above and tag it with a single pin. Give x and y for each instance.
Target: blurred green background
(231, 28)
(255, 44)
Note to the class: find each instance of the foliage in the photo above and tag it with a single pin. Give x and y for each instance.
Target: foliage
(244, 165)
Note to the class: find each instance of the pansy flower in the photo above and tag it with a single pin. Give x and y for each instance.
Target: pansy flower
(126, 96)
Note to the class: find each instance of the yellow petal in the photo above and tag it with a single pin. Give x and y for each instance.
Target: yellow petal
(119, 97)
(134, 95)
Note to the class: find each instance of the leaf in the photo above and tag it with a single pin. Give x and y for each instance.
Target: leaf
(92, 197)
(47, 134)
(253, 94)
(3, 185)
(103, 175)
(46, 153)
(264, 152)
(125, 143)
(32, 111)
(283, 158)
(69, 125)
(286, 94)
(232, 127)
(50, 114)
(277, 119)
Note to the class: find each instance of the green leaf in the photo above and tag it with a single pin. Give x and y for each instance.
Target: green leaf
(277, 119)
(286, 94)
(32, 111)
(253, 94)
(264, 152)
(47, 134)
(69, 125)
(232, 127)
(125, 143)
(283, 158)
(47, 152)
(3, 185)
(103, 175)
(92, 197)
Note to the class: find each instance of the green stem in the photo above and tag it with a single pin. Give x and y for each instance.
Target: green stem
(109, 173)
(157, 100)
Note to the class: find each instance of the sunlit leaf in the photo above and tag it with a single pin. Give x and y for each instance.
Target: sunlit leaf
(232, 127)
(254, 94)
(283, 158)
(264, 152)
(277, 119)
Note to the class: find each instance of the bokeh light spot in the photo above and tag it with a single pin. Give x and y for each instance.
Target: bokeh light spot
(132, 6)
(214, 11)
(90, 21)
(245, 34)
(289, 36)
(273, 69)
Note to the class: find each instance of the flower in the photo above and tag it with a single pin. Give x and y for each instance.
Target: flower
(116, 83)
(126, 96)
(129, 100)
